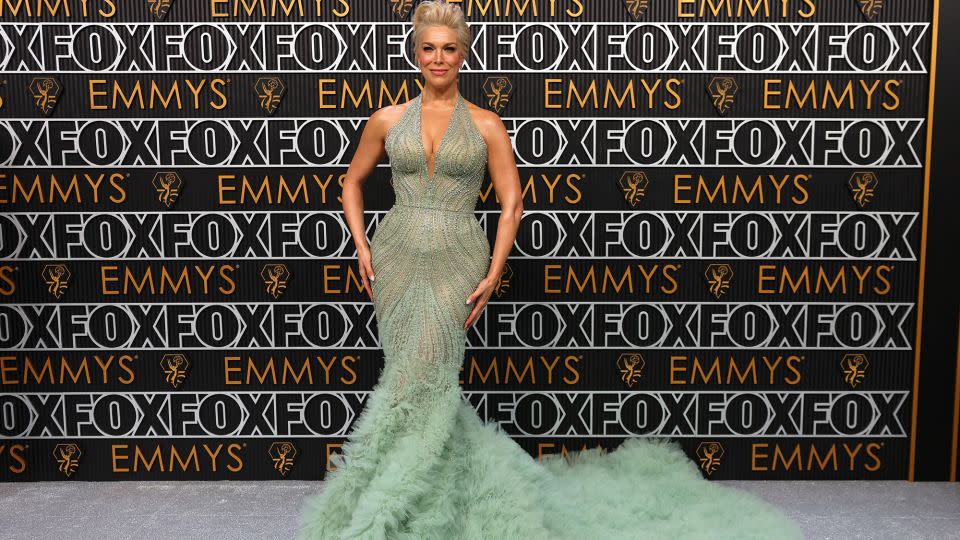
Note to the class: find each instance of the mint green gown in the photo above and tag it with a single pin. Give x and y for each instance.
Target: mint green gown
(421, 464)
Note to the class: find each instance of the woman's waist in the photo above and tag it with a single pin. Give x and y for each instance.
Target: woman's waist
(415, 225)
(431, 208)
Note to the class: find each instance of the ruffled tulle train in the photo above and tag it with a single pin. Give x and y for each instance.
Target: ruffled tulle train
(480, 484)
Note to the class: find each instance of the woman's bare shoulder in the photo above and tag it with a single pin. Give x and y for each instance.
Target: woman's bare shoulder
(487, 121)
(386, 117)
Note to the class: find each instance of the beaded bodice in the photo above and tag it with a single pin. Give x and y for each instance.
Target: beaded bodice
(459, 165)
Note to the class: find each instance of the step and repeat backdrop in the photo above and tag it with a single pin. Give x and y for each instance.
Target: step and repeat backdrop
(721, 241)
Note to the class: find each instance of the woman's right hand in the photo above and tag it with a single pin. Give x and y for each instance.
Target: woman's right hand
(366, 269)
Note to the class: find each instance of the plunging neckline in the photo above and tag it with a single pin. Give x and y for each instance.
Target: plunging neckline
(443, 138)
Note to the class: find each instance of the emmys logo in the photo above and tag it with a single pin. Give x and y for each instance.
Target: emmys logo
(45, 91)
(275, 277)
(636, 8)
(864, 187)
(634, 186)
(401, 8)
(68, 458)
(718, 278)
(630, 366)
(503, 280)
(159, 8)
(709, 454)
(722, 90)
(269, 93)
(870, 8)
(497, 91)
(57, 278)
(174, 368)
(282, 455)
(854, 366)
(168, 185)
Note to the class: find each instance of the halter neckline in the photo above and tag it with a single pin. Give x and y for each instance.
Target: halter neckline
(443, 138)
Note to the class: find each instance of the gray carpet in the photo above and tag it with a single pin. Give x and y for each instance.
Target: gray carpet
(209, 510)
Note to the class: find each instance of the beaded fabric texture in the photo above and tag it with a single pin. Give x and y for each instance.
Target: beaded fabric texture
(420, 463)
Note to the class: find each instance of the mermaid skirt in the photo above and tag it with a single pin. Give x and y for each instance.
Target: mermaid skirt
(421, 464)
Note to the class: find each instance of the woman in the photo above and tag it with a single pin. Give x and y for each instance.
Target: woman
(420, 463)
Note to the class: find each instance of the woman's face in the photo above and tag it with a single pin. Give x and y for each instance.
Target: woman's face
(439, 56)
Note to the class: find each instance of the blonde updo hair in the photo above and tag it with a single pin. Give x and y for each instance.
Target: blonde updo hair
(440, 13)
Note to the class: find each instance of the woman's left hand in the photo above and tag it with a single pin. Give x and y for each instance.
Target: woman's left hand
(479, 298)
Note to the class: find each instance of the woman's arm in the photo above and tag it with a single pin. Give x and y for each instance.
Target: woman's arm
(370, 150)
(506, 183)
